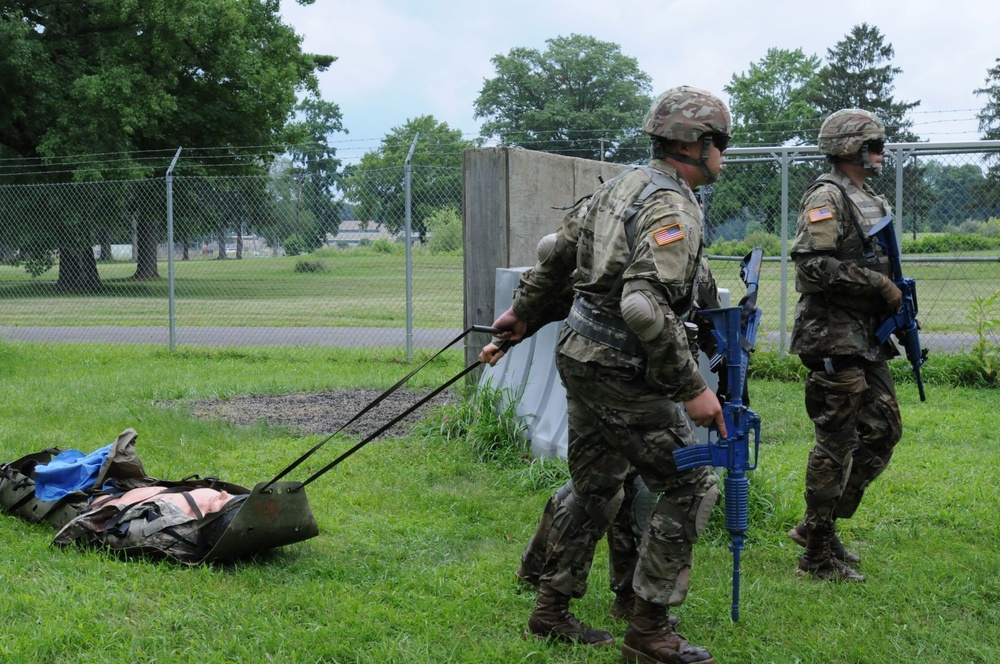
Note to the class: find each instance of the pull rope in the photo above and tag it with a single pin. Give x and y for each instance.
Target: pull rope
(295, 464)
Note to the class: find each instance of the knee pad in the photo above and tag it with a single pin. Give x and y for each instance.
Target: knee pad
(545, 247)
(701, 510)
(643, 505)
(593, 508)
(643, 314)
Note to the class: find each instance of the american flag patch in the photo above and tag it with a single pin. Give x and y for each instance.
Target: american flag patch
(820, 214)
(668, 234)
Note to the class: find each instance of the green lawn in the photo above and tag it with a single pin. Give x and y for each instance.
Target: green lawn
(418, 541)
(362, 288)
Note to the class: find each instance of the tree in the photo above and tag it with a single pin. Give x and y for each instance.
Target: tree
(988, 192)
(376, 188)
(859, 74)
(771, 105)
(581, 97)
(316, 167)
(135, 79)
(989, 117)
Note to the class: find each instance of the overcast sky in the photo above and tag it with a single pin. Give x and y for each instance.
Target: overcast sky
(399, 59)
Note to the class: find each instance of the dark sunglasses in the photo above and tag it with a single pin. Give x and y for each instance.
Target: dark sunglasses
(720, 141)
(876, 147)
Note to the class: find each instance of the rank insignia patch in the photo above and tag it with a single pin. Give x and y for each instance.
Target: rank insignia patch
(668, 234)
(820, 214)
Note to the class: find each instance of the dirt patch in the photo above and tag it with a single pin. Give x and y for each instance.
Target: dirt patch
(318, 413)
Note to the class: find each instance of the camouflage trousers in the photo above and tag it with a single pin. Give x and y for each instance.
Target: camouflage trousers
(857, 425)
(617, 422)
(623, 536)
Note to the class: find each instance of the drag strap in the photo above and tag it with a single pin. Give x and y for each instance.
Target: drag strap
(388, 425)
(379, 399)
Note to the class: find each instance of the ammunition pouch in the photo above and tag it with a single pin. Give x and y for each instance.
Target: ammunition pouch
(590, 321)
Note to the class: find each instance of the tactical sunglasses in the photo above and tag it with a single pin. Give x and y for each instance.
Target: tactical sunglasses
(720, 141)
(876, 147)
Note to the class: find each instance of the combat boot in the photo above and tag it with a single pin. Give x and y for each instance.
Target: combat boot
(623, 608)
(839, 551)
(818, 560)
(652, 639)
(552, 619)
(526, 578)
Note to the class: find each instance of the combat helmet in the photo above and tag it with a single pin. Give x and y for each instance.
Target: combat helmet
(846, 134)
(689, 114)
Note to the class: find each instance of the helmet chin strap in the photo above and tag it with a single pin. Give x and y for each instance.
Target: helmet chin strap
(706, 143)
(866, 161)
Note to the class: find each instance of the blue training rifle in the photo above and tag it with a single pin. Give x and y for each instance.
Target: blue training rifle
(735, 332)
(904, 323)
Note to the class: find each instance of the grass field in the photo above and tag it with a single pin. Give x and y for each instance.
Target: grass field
(418, 541)
(363, 288)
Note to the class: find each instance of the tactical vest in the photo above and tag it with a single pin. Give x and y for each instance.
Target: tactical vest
(858, 247)
(593, 321)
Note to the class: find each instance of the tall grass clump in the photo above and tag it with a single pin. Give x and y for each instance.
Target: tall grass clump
(486, 421)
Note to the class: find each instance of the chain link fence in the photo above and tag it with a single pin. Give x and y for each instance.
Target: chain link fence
(946, 203)
(277, 260)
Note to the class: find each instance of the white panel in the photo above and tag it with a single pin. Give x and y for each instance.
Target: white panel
(528, 373)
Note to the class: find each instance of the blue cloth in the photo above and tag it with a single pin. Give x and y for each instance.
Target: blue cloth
(69, 471)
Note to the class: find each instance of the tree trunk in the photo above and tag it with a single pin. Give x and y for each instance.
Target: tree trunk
(221, 236)
(239, 242)
(104, 238)
(145, 265)
(77, 270)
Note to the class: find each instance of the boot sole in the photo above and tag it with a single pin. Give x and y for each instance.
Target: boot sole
(562, 638)
(835, 578)
(630, 655)
(850, 559)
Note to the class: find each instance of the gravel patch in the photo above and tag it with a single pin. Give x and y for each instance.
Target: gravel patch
(319, 413)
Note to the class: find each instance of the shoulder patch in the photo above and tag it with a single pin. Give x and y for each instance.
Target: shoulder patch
(668, 234)
(820, 214)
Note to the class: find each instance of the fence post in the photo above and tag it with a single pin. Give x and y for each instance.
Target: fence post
(171, 316)
(783, 331)
(407, 235)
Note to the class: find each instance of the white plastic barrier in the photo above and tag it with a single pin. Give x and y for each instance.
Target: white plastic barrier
(528, 373)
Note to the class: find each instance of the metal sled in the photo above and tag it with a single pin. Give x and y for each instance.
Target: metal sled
(271, 516)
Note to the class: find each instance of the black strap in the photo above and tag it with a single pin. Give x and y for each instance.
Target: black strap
(869, 251)
(475, 328)
(657, 181)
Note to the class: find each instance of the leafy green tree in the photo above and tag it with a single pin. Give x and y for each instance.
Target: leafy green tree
(139, 79)
(859, 74)
(376, 188)
(770, 103)
(316, 166)
(988, 192)
(954, 188)
(581, 97)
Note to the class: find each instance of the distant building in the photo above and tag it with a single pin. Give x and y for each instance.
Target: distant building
(351, 234)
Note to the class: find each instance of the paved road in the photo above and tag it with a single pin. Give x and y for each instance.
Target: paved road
(354, 337)
(345, 337)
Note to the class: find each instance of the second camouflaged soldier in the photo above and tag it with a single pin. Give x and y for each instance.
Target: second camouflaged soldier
(846, 292)
(632, 252)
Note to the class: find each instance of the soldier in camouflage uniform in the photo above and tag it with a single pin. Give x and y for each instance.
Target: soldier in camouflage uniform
(632, 252)
(846, 292)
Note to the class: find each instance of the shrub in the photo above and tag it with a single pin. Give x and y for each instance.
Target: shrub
(303, 265)
(445, 229)
(294, 245)
(382, 245)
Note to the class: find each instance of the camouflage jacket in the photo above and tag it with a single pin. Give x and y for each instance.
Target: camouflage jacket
(590, 252)
(838, 272)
